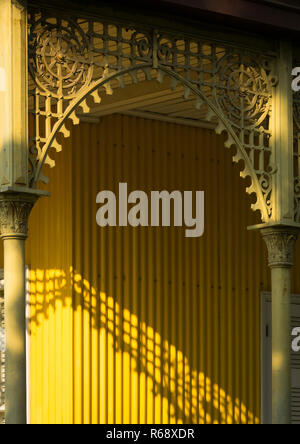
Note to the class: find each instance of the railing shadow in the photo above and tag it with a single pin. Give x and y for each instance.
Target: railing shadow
(189, 396)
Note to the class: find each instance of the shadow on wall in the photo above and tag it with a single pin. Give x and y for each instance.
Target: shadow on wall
(147, 326)
(158, 374)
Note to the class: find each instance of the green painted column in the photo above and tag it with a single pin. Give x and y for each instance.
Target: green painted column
(280, 242)
(14, 214)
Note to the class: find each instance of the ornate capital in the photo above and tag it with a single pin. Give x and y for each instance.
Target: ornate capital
(14, 213)
(280, 243)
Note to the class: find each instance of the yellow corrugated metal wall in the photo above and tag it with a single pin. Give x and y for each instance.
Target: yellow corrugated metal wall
(49, 256)
(143, 325)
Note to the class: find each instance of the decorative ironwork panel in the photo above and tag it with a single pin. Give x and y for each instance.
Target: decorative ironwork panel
(297, 153)
(74, 61)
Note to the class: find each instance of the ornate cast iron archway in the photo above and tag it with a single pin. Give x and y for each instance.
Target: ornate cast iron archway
(72, 60)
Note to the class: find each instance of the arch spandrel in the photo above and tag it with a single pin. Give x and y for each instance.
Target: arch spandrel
(296, 115)
(73, 62)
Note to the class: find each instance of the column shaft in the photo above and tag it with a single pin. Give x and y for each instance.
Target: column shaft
(14, 213)
(280, 241)
(281, 346)
(15, 328)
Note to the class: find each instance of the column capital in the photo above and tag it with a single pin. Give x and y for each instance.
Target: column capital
(280, 241)
(14, 214)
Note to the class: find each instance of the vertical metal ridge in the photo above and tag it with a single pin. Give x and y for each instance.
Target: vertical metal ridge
(197, 298)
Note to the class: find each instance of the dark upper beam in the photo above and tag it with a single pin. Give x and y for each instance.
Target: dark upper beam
(262, 16)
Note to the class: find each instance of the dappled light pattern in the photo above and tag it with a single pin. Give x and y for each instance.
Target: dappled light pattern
(154, 380)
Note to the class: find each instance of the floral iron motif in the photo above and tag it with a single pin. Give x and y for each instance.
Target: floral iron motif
(72, 61)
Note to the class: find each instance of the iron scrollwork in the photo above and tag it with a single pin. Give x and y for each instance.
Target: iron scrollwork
(72, 60)
(296, 109)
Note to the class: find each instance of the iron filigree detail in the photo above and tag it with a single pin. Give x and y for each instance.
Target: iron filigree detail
(244, 91)
(296, 109)
(61, 58)
(74, 61)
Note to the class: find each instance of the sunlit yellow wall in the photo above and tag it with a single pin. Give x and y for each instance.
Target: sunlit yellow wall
(144, 325)
(49, 255)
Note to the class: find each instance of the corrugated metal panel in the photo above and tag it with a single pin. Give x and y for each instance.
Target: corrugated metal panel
(49, 255)
(144, 325)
